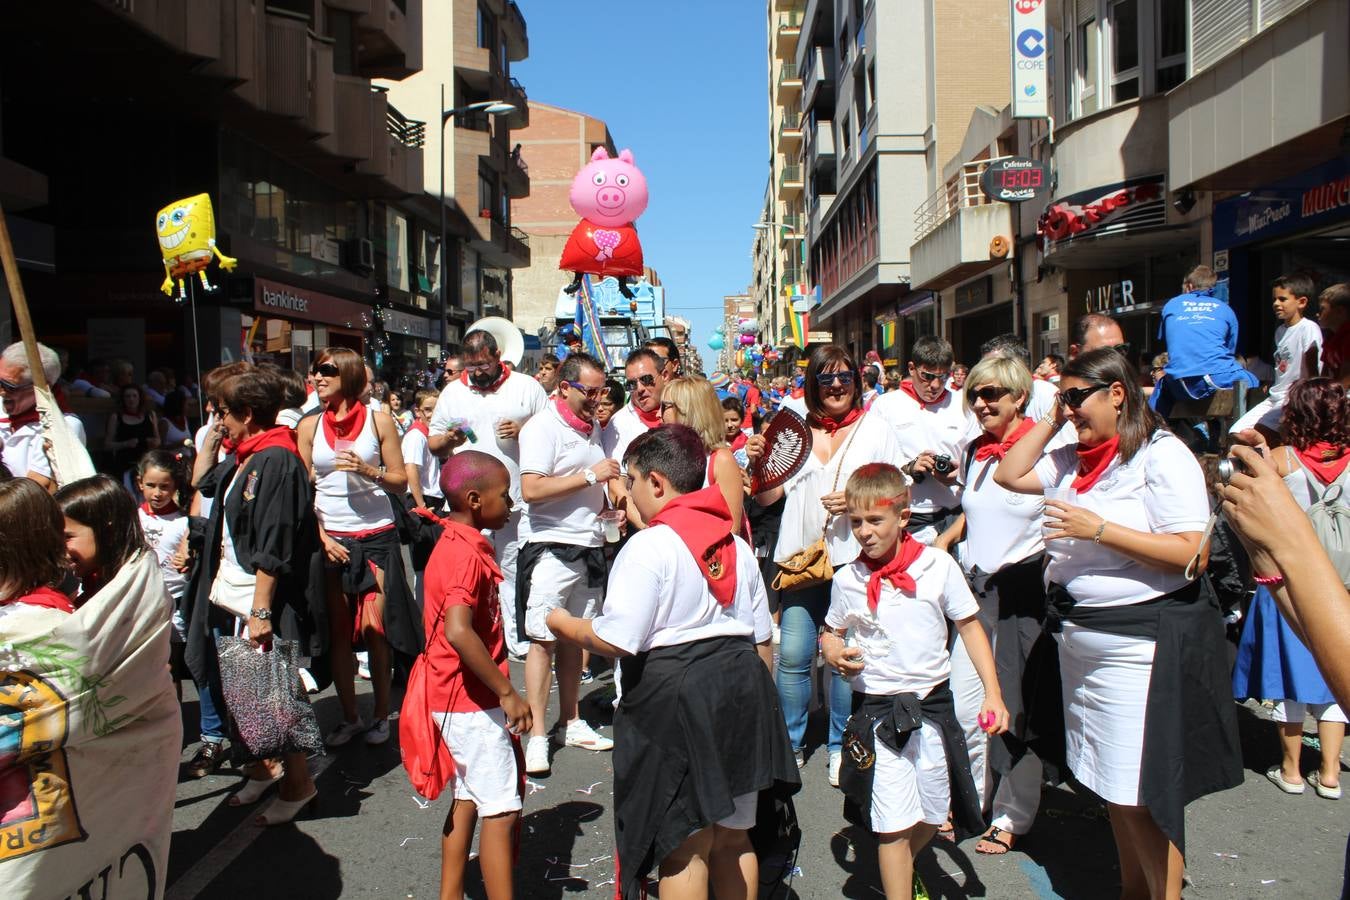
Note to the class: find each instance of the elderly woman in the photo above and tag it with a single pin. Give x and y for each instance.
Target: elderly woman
(1140, 641)
(693, 401)
(842, 439)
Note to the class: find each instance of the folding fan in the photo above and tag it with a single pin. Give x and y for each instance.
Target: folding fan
(787, 442)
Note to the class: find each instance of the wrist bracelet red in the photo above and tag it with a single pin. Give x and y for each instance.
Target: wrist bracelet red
(1268, 580)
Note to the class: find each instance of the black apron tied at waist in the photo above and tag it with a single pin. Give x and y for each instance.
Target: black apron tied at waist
(530, 554)
(941, 519)
(402, 618)
(892, 719)
(1190, 726)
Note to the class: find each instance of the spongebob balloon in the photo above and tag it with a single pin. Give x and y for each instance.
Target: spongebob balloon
(187, 241)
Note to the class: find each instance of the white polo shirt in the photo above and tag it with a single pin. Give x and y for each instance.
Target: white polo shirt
(623, 428)
(1161, 490)
(552, 448)
(944, 427)
(417, 452)
(905, 641)
(666, 600)
(1002, 526)
(23, 451)
(518, 399)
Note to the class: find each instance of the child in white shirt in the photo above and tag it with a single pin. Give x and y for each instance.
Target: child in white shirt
(1298, 350)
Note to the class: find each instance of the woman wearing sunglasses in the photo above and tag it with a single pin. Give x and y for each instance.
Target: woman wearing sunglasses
(355, 456)
(842, 439)
(692, 401)
(1141, 646)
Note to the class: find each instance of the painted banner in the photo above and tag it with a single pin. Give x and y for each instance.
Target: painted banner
(588, 320)
(1030, 60)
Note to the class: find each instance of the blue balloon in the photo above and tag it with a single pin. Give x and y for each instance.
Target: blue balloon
(715, 342)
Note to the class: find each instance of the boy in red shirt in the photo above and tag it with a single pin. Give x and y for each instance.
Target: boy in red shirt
(467, 675)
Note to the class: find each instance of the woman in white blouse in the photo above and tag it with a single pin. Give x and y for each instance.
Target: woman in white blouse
(1141, 647)
(843, 438)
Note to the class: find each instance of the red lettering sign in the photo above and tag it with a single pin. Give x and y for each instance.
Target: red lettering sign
(1065, 219)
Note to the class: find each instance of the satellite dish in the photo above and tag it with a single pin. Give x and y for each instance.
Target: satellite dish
(509, 340)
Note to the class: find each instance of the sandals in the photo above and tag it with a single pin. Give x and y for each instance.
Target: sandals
(252, 791)
(992, 836)
(281, 812)
(1276, 777)
(1326, 792)
(948, 830)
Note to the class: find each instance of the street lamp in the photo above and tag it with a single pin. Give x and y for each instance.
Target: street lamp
(491, 108)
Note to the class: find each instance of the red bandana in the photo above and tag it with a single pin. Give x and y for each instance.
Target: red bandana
(168, 510)
(703, 521)
(649, 419)
(739, 441)
(24, 418)
(908, 387)
(829, 424)
(276, 436)
(1325, 460)
(893, 571)
(1092, 463)
(490, 389)
(348, 427)
(580, 425)
(46, 597)
(986, 445)
(419, 425)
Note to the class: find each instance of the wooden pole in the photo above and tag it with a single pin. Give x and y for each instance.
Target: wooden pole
(20, 301)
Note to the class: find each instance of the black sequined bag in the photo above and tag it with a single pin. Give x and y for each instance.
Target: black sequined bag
(266, 700)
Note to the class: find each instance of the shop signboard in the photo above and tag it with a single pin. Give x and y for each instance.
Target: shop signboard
(1316, 197)
(1123, 208)
(1015, 179)
(285, 301)
(973, 296)
(396, 322)
(1030, 60)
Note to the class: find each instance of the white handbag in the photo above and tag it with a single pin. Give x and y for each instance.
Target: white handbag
(232, 589)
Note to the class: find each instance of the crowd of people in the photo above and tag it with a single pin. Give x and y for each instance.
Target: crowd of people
(1002, 571)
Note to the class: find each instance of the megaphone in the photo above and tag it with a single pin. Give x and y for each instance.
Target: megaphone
(508, 337)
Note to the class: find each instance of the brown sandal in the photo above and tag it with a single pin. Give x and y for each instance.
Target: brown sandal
(992, 836)
(948, 830)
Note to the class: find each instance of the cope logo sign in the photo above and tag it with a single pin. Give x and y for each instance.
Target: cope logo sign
(1030, 61)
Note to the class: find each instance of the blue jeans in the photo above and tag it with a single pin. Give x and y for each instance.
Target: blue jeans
(802, 618)
(210, 700)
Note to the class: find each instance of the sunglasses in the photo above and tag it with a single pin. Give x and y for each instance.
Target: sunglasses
(327, 370)
(932, 376)
(1123, 349)
(825, 379)
(644, 380)
(12, 386)
(1074, 398)
(989, 393)
(590, 393)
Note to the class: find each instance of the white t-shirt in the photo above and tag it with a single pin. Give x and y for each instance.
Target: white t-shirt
(905, 642)
(417, 452)
(944, 428)
(518, 399)
(23, 451)
(803, 516)
(622, 430)
(164, 534)
(1002, 527)
(1290, 345)
(552, 448)
(666, 600)
(1161, 490)
(345, 501)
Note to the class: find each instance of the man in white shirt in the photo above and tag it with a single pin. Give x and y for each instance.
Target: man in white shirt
(561, 564)
(644, 383)
(933, 427)
(20, 430)
(492, 403)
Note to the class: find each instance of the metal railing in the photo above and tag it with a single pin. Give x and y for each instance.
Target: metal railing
(408, 132)
(962, 191)
(519, 164)
(515, 86)
(521, 236)
(788, 72)
(790, 175)
(788, 21)
(792, 224)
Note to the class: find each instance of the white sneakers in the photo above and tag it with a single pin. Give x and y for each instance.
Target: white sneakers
(346, 731)
(836, 760)
(577, 734)
(536, 755)
(378, 733)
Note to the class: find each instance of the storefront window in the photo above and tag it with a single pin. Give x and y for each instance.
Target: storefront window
(396, 250)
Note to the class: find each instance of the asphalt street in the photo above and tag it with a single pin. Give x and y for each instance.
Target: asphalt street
(369, 835)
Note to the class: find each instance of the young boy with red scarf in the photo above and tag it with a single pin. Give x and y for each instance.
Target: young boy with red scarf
(698, 730)
(905, 758)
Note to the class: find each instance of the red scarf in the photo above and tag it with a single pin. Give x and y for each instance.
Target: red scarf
(419, 425)
(703, 521)
(24, 418)
(894, 571)
(276, 436)
(739, 441)
(168, 510)
(986, 445)
(649, 420)
(908, 387)
(1092, 463)
(1325, 460)
(829, 424)
(490, 389)
(44, 596)
(579, 425)
(348, 427)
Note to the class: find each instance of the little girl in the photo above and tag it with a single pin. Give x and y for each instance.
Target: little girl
(102, 531)
(160, 480)
(33, 559)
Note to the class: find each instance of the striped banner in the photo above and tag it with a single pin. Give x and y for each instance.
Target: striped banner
(588, 320)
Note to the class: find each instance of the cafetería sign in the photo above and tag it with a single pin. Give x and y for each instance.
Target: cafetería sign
(1015, 179)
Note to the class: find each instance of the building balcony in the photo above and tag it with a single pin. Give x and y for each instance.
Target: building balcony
(192, 28)
(287, 60)
(819, 150)
(790, 182)
(792, 226)
(789, 30)
(504, 246)
(353, 136)
(790, 133)
(789, 85)
(818, 79)
(517, 35)
(390, 39)
(512, 92)
(815, 216)
(959, 232)
(407, 137)
(517, 177)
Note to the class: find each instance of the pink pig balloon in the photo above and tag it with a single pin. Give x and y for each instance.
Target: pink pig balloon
(608, 194)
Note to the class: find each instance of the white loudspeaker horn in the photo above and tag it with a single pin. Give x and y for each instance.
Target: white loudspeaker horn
(508, 337)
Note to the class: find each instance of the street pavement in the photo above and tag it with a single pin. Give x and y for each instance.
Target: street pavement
(370, 836)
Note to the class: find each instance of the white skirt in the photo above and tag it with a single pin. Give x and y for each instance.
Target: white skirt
(1105, 681)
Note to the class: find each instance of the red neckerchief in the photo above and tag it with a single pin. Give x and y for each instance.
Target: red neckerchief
(908, 387)
(829, 424)
(419, 425)
(348, 427)
(738, 442)
(703, 522)
(649, 420)
(276, 436)
(986, 445)
(1324, 459)
(490, 389)
(24, 418)
(579, 425)
(168, 510)
(44, 596)
(894, 570)
(1092, 463)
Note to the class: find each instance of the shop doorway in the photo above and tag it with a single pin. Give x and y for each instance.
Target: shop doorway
(974, 329)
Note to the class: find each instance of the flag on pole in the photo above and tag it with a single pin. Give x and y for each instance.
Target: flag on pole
(800, 323)
(588, 322)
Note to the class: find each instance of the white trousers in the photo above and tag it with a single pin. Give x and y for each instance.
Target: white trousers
(506, 547)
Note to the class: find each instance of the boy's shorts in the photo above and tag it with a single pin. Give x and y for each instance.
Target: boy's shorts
(554, 584)
(1266, 413)
(911, 786)
(743, 817)
(485, 759)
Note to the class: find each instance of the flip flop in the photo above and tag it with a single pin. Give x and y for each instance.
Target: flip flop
(992, 836)
(948, 830)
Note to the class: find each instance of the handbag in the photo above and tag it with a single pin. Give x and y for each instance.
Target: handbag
(811, 566)
(232, 589)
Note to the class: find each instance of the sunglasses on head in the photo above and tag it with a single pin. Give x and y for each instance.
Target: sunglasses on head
(825, 379)
(12, 386)
(591, 393)
(989, 393)
(1074, 398)
(327, 370)
(644, 380)
(931, 376)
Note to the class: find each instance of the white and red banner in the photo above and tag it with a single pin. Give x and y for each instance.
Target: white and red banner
(1030, 60)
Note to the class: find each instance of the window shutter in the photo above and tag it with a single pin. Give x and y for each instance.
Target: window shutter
(1217, 28)
(1271, 11)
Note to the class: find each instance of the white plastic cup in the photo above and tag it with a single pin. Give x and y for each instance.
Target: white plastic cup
(1063, 495)
(611, 520)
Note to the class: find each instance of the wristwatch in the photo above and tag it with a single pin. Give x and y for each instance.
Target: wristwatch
(590, 477)
(260, 614)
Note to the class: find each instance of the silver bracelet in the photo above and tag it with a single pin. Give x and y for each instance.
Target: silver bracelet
(1101, 529)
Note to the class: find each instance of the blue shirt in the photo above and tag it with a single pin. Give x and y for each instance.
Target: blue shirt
(1201, 334)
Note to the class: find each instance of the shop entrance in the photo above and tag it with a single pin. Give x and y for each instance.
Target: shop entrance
(974, 329)
(1322, 255)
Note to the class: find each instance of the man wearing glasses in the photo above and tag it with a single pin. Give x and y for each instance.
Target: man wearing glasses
(563, 475)
(643, 381)
(20, 430)
(492, 403)
(669, 352)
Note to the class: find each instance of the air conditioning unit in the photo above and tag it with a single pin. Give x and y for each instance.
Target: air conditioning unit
(359, 256)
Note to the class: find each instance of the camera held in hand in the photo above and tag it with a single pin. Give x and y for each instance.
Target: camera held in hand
(1230, 465)
(942, 464)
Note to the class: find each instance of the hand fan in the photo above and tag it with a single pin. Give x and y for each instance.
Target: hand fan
(787, 442)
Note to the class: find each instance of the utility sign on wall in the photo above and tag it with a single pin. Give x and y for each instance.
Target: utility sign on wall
(1030, 60)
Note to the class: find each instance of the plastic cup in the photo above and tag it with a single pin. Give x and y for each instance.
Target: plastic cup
(612, 519)
(341, 446)
(1063, 495)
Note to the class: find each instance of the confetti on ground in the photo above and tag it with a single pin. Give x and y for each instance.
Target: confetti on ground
(534, 786)
(1267, 880)
(797, 872)
(421, 804)
(596, 859)
(404, 842)
(568, 878)
(588, 790)
(609, 883)
(1226, 855)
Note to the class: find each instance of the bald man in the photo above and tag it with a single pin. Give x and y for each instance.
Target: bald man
(1095, 331)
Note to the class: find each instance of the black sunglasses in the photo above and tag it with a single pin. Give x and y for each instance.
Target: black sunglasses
(989, 393)
(12, 386)
(1074, 398)
(1123, 349)
(931, 376)
(327, 370)
(646, 380)
(825, 379)
(590, 393)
